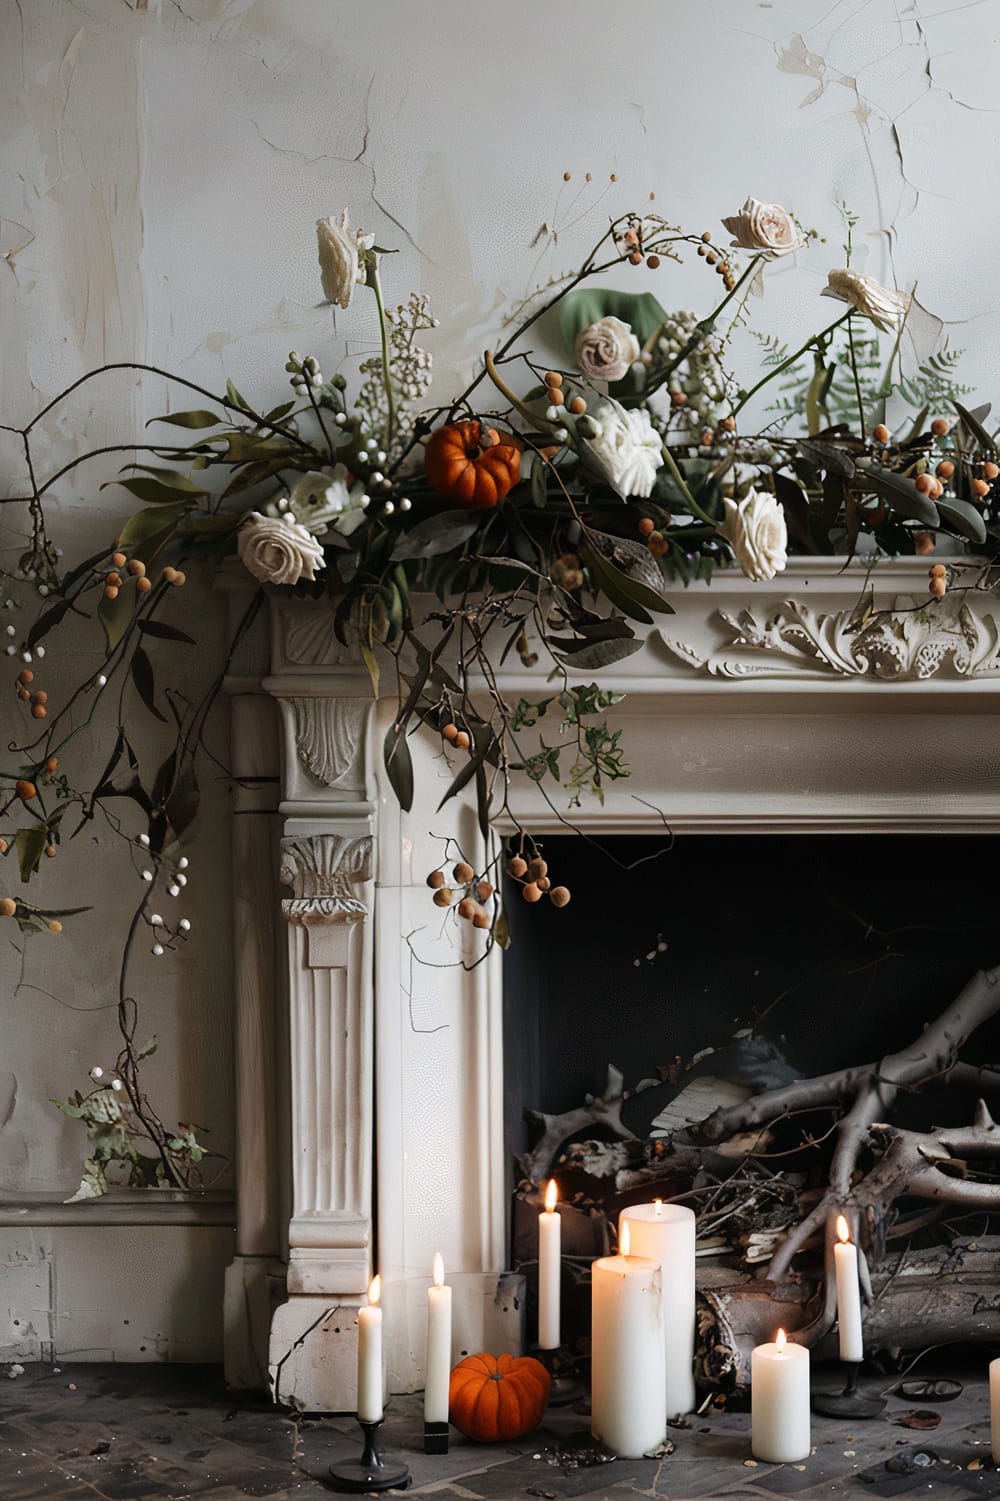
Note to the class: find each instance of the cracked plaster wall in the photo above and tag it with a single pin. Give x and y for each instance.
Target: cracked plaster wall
(163, 164)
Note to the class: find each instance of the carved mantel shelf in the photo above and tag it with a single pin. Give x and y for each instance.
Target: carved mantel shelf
(370, 1060)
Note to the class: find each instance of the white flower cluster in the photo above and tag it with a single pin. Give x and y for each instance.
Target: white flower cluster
(321, 499)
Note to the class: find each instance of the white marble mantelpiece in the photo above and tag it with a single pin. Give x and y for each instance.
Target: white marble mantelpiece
(390, 1060)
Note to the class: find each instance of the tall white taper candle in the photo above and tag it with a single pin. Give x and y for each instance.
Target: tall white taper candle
(845, 1255)
(995, 1410)
(438, 1347)
(667, 1233)
(370, 1356)
(549, 1271)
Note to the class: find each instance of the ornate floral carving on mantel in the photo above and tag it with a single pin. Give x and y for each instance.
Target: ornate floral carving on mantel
(956, 636)
(329, 738)
(325, 872)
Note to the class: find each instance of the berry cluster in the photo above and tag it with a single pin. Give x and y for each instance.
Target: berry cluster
(36, 697)
(717, 259)
(533, 874)
(476, 894)
(938, 580)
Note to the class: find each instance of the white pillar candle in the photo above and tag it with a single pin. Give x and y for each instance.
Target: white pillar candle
(438, 1375)
(845, 1255)
(549, 1271)
(779, 1402)
(370, 1356)
(995, 1410)
(628, 1377)
(666, 1232)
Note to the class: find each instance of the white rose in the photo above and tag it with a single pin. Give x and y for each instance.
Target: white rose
(628, 449)
(886, 308)
(765, 227)
(755, 529)
(341, 258)
(321, 498)
(606, 349)
(278, 551)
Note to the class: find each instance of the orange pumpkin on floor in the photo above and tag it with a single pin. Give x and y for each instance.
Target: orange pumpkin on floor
(471, 465)
(498, 1397)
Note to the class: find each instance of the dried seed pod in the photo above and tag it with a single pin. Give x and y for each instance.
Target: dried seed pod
(436, 879)
(559, 896)
(463, 872)
(537, 868)
(443, 896)
(517, 866)
(530, 892)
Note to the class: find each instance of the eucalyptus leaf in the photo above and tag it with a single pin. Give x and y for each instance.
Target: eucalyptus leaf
(962, 517)
(45, 622)
(399, 765)
(188, 419)
(165, 632)
(141, 669)
(972, 421)
(114, 615)
(901, 493)
(154, 491)
(31, 844)
(595, 654)
(436, 535)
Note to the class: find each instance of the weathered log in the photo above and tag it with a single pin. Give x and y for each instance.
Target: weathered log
(929, 1297)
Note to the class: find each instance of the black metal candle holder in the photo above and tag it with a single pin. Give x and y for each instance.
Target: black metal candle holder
(848, 1403)
(371, 1472)
(563, 1390)
(436, 1438)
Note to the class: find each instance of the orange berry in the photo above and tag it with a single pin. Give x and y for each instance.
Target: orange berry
(4, 846)
(115, 579)
(40, 696)
(51, 764)
(7, 906)
(39, 711)
(940, 427)
(481, 920)
(543, 883)
(938, 571)
(923, 483)
(462, 741)
(26, 790)
(443, 896)
(935, 490)
(137, 568)
(536, 869)
(880, 433)
(23, 694)
(169, 574)
(119, 559)
(516, 866)
(484, 890)
(436, 879)
(463, 872)
(980, 487)
(467, 908)
(143, 585)
(646, 526)
(636, 258)
(531, 893)
(559, 896)
(990, 470)
(945, 469)
(678, 399)
(50, 850)
(577, 405)
(923, 543)
(652, 261)
(55, 926)
(938, 587)
(631, 238)
(553, 378)
(110, 591)
(27, 676)
(658, 545)
(179, 579)
(449, 731)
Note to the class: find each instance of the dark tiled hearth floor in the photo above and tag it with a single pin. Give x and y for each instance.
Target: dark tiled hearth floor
(148, 1433)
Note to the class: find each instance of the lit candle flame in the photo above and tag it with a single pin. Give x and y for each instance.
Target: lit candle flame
(658, 1206)
(551, 1194)
(624, 1239)
(438, 1269)
(843, 1230)
(375, 1291)
(780, 1341)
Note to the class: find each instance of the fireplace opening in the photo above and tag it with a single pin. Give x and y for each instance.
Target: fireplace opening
(724, 966)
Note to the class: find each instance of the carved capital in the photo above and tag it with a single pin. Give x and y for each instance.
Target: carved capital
(325, 873)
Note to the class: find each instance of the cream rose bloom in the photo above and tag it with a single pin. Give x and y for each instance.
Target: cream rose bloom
(627, 450)
(885, 307)
(606, 350)
(277, 550)
(765, 227)
(341, 258)
(755, 529)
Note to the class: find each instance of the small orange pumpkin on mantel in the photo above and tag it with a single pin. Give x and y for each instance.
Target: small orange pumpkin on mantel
(493, 1398)
(471, 465)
